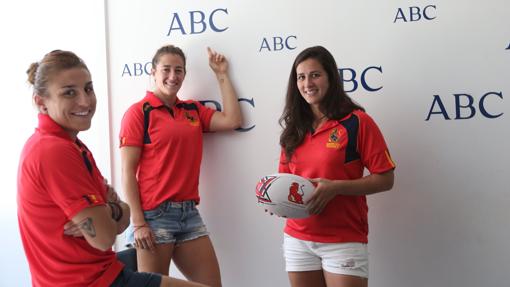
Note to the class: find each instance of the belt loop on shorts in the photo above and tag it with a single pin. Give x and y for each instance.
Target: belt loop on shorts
(174, 204)
(182, 204)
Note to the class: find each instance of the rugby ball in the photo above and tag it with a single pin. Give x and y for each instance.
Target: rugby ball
(284, 194)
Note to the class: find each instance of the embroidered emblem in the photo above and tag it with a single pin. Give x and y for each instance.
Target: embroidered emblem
(333, 140)
(192, 120)
(91, 198)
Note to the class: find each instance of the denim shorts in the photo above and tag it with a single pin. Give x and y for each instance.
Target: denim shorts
(173, 222)
(349, 258)
(129, 278)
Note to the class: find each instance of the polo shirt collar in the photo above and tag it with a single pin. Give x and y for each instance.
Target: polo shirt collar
(156, 102)
(326, 126)
(331, 123)
(48, 125)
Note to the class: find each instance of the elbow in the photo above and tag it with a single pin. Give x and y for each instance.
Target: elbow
(386, 181)
(105, 235)
(237, 123)
(234, 120)
(388, 186)
(389, 182)
(223, 121)
(105, 243)
(233, 123)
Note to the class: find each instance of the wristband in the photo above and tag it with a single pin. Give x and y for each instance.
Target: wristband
(137, 227)
(117, 212)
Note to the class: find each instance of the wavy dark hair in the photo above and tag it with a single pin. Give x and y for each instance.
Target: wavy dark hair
(297, 117)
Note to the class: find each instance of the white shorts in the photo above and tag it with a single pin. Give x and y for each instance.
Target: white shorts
(338, 258)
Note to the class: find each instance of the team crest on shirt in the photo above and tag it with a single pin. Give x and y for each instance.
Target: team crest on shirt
(333, 139)
(91, 198)
(191, 119)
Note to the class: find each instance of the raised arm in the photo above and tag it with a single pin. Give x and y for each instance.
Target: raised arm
(230, 118)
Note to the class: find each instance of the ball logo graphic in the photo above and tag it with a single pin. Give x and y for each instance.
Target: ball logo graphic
(284, 194)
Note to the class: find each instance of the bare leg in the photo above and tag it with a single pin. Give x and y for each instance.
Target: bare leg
(307, 279)
(339, 280)
(197, 261)
(157, 261)
(172, 282)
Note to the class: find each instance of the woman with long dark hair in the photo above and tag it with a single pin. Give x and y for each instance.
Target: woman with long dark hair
(329, 139)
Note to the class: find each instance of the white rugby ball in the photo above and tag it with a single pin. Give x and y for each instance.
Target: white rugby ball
(284, 194)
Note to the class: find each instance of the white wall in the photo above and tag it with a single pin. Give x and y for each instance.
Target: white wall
(30, 29)
(445, 222)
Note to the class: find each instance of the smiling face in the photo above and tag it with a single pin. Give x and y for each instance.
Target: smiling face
(70, 100)
(169, 75)
(312, 82)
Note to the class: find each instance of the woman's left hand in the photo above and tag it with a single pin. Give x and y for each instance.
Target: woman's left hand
(323, 194)
(217, 61)
(71, 229)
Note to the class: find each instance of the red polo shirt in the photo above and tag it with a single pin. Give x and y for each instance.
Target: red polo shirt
(58, 178)
(338, 150)
(171, 142)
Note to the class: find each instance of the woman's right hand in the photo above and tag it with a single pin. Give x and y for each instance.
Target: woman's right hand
(144, 238)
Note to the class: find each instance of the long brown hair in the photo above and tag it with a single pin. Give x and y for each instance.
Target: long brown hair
(297, 117)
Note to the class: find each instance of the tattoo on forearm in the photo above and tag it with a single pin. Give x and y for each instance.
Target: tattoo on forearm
(87, 226)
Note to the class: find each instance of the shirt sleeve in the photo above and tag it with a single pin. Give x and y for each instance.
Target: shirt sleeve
(131, 129)
(205, 114)
(68, 181)
(374, 152)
